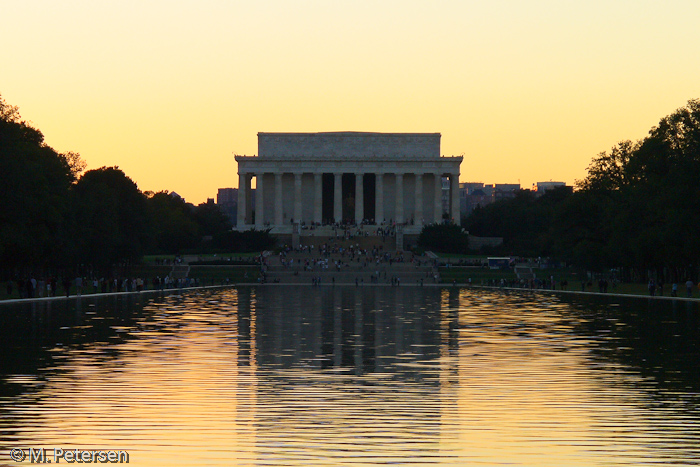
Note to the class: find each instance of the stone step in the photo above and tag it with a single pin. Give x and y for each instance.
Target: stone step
(352, 268)
(409, 278)
(180, 271)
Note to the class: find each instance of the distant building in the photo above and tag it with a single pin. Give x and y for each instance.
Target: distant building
(472, 195)
(468, 187)
(478, 198)
(227, 196)
(487, 190)
(227, 200)
(505, 190)
(540, 187)
(475, 194)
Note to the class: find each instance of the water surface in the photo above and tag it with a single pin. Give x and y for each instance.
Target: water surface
(280, 375)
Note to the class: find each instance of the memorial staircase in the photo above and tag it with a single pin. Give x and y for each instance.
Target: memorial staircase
(385, 244)
(524, 271)
(310, 266)
(180, 271)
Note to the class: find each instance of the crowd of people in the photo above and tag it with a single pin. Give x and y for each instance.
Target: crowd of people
(49, 286)
(547, 284)
(321, 257)
(657, 288)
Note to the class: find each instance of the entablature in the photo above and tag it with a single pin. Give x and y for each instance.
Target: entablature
(252, 165)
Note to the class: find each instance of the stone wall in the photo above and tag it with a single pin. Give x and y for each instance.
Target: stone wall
(348, 145)
(477, 243)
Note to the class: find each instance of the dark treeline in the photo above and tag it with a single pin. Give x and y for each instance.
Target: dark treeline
(444, 238)
(57, 218)
(638, 209)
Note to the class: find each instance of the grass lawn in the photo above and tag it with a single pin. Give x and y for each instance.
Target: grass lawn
(481, 276)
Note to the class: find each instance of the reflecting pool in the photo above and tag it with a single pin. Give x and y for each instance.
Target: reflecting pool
(281, 375)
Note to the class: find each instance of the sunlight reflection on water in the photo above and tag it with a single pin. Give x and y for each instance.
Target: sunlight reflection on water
(355, 376)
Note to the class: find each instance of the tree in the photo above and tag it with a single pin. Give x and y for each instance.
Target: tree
(110, 219)
(75, 162)
(247, 241)
(444, 238)
(609, 171)
(211, 219)
(654, 186)
(173, 226)
(524, 222)
(9, 113)
(581, 230)
(34, 183)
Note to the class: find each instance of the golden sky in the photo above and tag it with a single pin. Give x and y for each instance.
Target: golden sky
(526, 90)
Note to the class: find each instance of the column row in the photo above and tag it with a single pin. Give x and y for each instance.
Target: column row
(245, 209)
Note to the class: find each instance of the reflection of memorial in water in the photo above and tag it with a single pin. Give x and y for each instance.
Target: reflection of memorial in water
(360, 330)
(343, 363)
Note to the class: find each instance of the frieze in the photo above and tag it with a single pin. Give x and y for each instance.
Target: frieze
(255, 165)
(348, 146)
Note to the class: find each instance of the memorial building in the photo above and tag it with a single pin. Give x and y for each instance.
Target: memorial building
(316, 179)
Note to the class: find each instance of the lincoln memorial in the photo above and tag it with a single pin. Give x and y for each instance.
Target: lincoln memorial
(346, 177)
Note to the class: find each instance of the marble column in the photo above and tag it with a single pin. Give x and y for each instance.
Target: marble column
(318, 197)
(241, 209)
(438, 198)
(338, 197)
(419, 199)
(248, 199)
(399, 198)
(278, 199)
(379, 198)
(259, 209)
(454, 198)
(359, 199)
(297, 198)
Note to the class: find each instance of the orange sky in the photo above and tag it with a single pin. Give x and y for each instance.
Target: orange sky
(170, 90)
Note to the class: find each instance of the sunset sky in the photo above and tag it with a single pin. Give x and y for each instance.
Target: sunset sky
(527, 90)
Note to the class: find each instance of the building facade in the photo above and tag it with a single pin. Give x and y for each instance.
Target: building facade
(346, 178)
(227, 200)
(474, 194)
(541, 187)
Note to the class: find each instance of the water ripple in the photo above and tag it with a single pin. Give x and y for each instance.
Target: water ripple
(355, 376)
